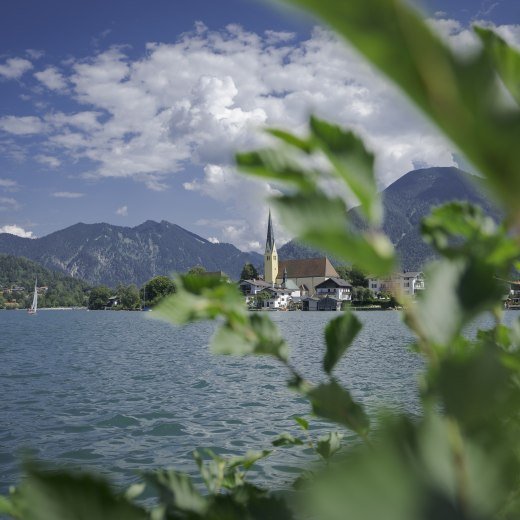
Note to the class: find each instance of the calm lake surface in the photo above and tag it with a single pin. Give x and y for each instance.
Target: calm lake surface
(117, 392)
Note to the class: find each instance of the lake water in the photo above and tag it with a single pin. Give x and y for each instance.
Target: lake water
(116, 392)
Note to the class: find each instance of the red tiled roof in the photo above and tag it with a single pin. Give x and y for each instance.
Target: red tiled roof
(307, 268)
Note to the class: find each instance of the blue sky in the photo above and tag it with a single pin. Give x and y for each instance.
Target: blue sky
(123, 111)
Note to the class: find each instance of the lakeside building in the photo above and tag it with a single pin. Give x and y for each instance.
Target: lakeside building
(335, 288)
(406, 283)
(512, 301)
(293, 281)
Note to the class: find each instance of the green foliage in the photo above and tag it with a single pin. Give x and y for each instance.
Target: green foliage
(63, 291)
(196, 270)
(98, 297)
(396, 39)
(156, 289)
(129, 297)
(352, 274)
(339, 335)
(460, 457)
(315, 217)
(60, 495)
(249, 272)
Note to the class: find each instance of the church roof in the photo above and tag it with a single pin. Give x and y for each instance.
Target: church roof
(308, 268)
(269, 243)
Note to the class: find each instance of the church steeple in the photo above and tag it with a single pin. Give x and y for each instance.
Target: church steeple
(270, 255)
(269, 243)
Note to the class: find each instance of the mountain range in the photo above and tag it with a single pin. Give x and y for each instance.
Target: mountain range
(108, 254)
(406, 202)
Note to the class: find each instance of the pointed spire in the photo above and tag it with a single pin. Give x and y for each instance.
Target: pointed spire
(269, 244)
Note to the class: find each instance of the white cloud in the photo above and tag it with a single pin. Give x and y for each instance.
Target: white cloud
(68, 194)
(13, 229)
(35, 54)
(9, 185)
(198, 100)
(9, 204)
(14, 68)
(48, 160)
(52, 78)
(24, 125)
(122, 211)
(214, 240)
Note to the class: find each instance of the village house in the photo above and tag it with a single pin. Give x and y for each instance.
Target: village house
(406, 283)
(336, 288)
(250, 288)
(312, 281)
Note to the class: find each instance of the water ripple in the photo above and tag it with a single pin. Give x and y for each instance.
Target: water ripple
(116, 393)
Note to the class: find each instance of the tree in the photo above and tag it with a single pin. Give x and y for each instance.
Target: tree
(98, 297)
(157, 288)
(260, 298)
(249, 272)
(129, 297)
(197, 270)
(352, 274)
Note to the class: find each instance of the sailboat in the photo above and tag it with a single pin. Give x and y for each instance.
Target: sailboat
(34, 306)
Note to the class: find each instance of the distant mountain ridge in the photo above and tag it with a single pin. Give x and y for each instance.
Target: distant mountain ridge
(108, 254)
(406, 202)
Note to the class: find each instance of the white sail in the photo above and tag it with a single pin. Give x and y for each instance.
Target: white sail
(34, 305)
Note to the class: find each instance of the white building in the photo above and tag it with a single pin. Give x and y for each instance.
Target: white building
(250, 288)
(406, 283)
(335, 288)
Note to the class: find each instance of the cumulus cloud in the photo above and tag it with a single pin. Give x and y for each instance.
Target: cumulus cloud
(52, 78)
(48, 160)
(198, 100)
(68, 194)
(13, 229)
(122, 211)
(14, 68)
(24, 125)
(214, 240)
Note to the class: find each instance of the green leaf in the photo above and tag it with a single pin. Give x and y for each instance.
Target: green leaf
(328, 445)
(339, 334)
(302, 422)
(461, 230)
(202, 298)
(177, 492)
(257, 335)
(135, 490)
(301, 144)
(275, 165)
(505, 58)
(353, 163)
(331, 401)
(247, 460)
(59, 495)
(321, 221)
(7, 507)
(457, 291)
(397, 40)
(286, 439)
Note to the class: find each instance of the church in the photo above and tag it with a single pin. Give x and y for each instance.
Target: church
(312, 282)
(303, 274)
